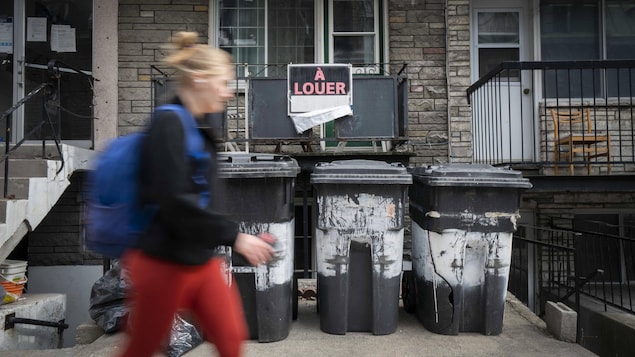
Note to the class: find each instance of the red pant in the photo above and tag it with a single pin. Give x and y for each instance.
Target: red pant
(160, 289)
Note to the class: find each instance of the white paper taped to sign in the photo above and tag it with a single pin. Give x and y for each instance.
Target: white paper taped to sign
(304, 121)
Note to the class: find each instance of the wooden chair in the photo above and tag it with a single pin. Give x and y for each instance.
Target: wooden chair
(578, 138)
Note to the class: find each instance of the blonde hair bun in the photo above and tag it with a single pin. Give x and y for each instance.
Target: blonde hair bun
(184, 39)
(189, 57)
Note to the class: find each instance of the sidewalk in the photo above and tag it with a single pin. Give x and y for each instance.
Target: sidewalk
(523, 335)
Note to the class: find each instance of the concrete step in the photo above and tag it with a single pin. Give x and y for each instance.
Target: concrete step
(31, 151)
(25, 168)
(18, 187)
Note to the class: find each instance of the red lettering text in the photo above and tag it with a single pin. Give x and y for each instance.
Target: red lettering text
(320, 88)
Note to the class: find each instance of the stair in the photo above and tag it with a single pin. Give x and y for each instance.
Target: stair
(34, 187)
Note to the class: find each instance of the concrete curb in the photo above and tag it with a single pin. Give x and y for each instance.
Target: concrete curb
(525, 312)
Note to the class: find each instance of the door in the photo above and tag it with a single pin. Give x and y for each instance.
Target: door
(505, 131)
(47, 42)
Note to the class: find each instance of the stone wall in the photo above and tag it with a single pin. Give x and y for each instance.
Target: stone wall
(58, 240)
(460, 111)
(417, 38)
(436, 47)
(144, 27)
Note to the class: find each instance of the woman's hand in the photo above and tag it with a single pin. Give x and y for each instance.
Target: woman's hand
(255, 249)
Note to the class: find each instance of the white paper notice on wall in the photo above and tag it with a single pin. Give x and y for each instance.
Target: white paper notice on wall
(6, 36)
(63, 38)
(36, 29)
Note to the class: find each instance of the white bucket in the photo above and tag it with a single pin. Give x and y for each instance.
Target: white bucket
(13, 270)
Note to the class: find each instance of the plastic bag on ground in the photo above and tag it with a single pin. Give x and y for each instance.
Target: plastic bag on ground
(109, 311)
(107, 300)
(183, 337)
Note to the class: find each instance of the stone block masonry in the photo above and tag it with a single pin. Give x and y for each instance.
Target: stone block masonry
(144, 27)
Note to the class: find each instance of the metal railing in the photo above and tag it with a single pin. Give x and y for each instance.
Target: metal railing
(49, 92)
(559, 263)
(607, 263)
(512, 121)
(543, 259)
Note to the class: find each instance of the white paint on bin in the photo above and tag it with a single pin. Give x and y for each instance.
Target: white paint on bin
(364, 218)
(460, 257)
(280, 270)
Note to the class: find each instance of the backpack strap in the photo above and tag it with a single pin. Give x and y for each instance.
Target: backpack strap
(195, 149)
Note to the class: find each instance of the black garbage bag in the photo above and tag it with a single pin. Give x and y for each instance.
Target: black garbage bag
(107, 299)
(183, 337)
(109, 311)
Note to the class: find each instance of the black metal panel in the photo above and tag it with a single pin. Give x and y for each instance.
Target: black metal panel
(402, 107)
(374, 110)
(268, 110)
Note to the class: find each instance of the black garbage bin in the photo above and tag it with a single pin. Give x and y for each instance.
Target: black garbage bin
(463, 218)
(359, 244)
(258, 191)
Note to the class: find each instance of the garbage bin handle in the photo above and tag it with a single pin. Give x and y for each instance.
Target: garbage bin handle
(269, 157)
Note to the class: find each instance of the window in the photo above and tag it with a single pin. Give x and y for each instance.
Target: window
(620, 29)
(498, 40)
(587, 30)
(354, 32)
(267, 34)
(71, 109)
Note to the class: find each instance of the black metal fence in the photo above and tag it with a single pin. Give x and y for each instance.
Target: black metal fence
(514, 105)
(562, 264)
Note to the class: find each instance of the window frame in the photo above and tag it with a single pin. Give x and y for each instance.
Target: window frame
(378, 25)
(506, 45)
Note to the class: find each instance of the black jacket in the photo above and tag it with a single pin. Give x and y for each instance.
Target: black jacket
(181, 232)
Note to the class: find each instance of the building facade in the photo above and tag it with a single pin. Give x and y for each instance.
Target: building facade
(481, 80)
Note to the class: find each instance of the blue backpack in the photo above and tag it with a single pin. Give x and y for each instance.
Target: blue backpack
(115, 217)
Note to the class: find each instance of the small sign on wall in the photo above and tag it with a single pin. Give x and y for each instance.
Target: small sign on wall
(6, 34)
(319, 93)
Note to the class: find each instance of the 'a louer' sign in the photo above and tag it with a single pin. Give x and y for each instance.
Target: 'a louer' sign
(314, 87)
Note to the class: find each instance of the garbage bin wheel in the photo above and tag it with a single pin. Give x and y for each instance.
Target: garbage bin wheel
(408, 295)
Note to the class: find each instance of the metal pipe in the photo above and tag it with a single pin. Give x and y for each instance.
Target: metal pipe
(10, 321)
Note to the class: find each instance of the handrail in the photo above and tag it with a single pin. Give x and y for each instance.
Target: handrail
(544, 244)
(579, 284)
(576, 260)
(545, 65)
(24, 100)
(8, 116)
(49, 89)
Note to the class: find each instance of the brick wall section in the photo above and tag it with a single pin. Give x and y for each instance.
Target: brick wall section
(58, 240)
(144, 27)
(459, 73)
(418, 38)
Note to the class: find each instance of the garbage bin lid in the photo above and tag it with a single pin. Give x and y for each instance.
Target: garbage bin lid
(360, 172)
(469, 175)
(256, 165)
